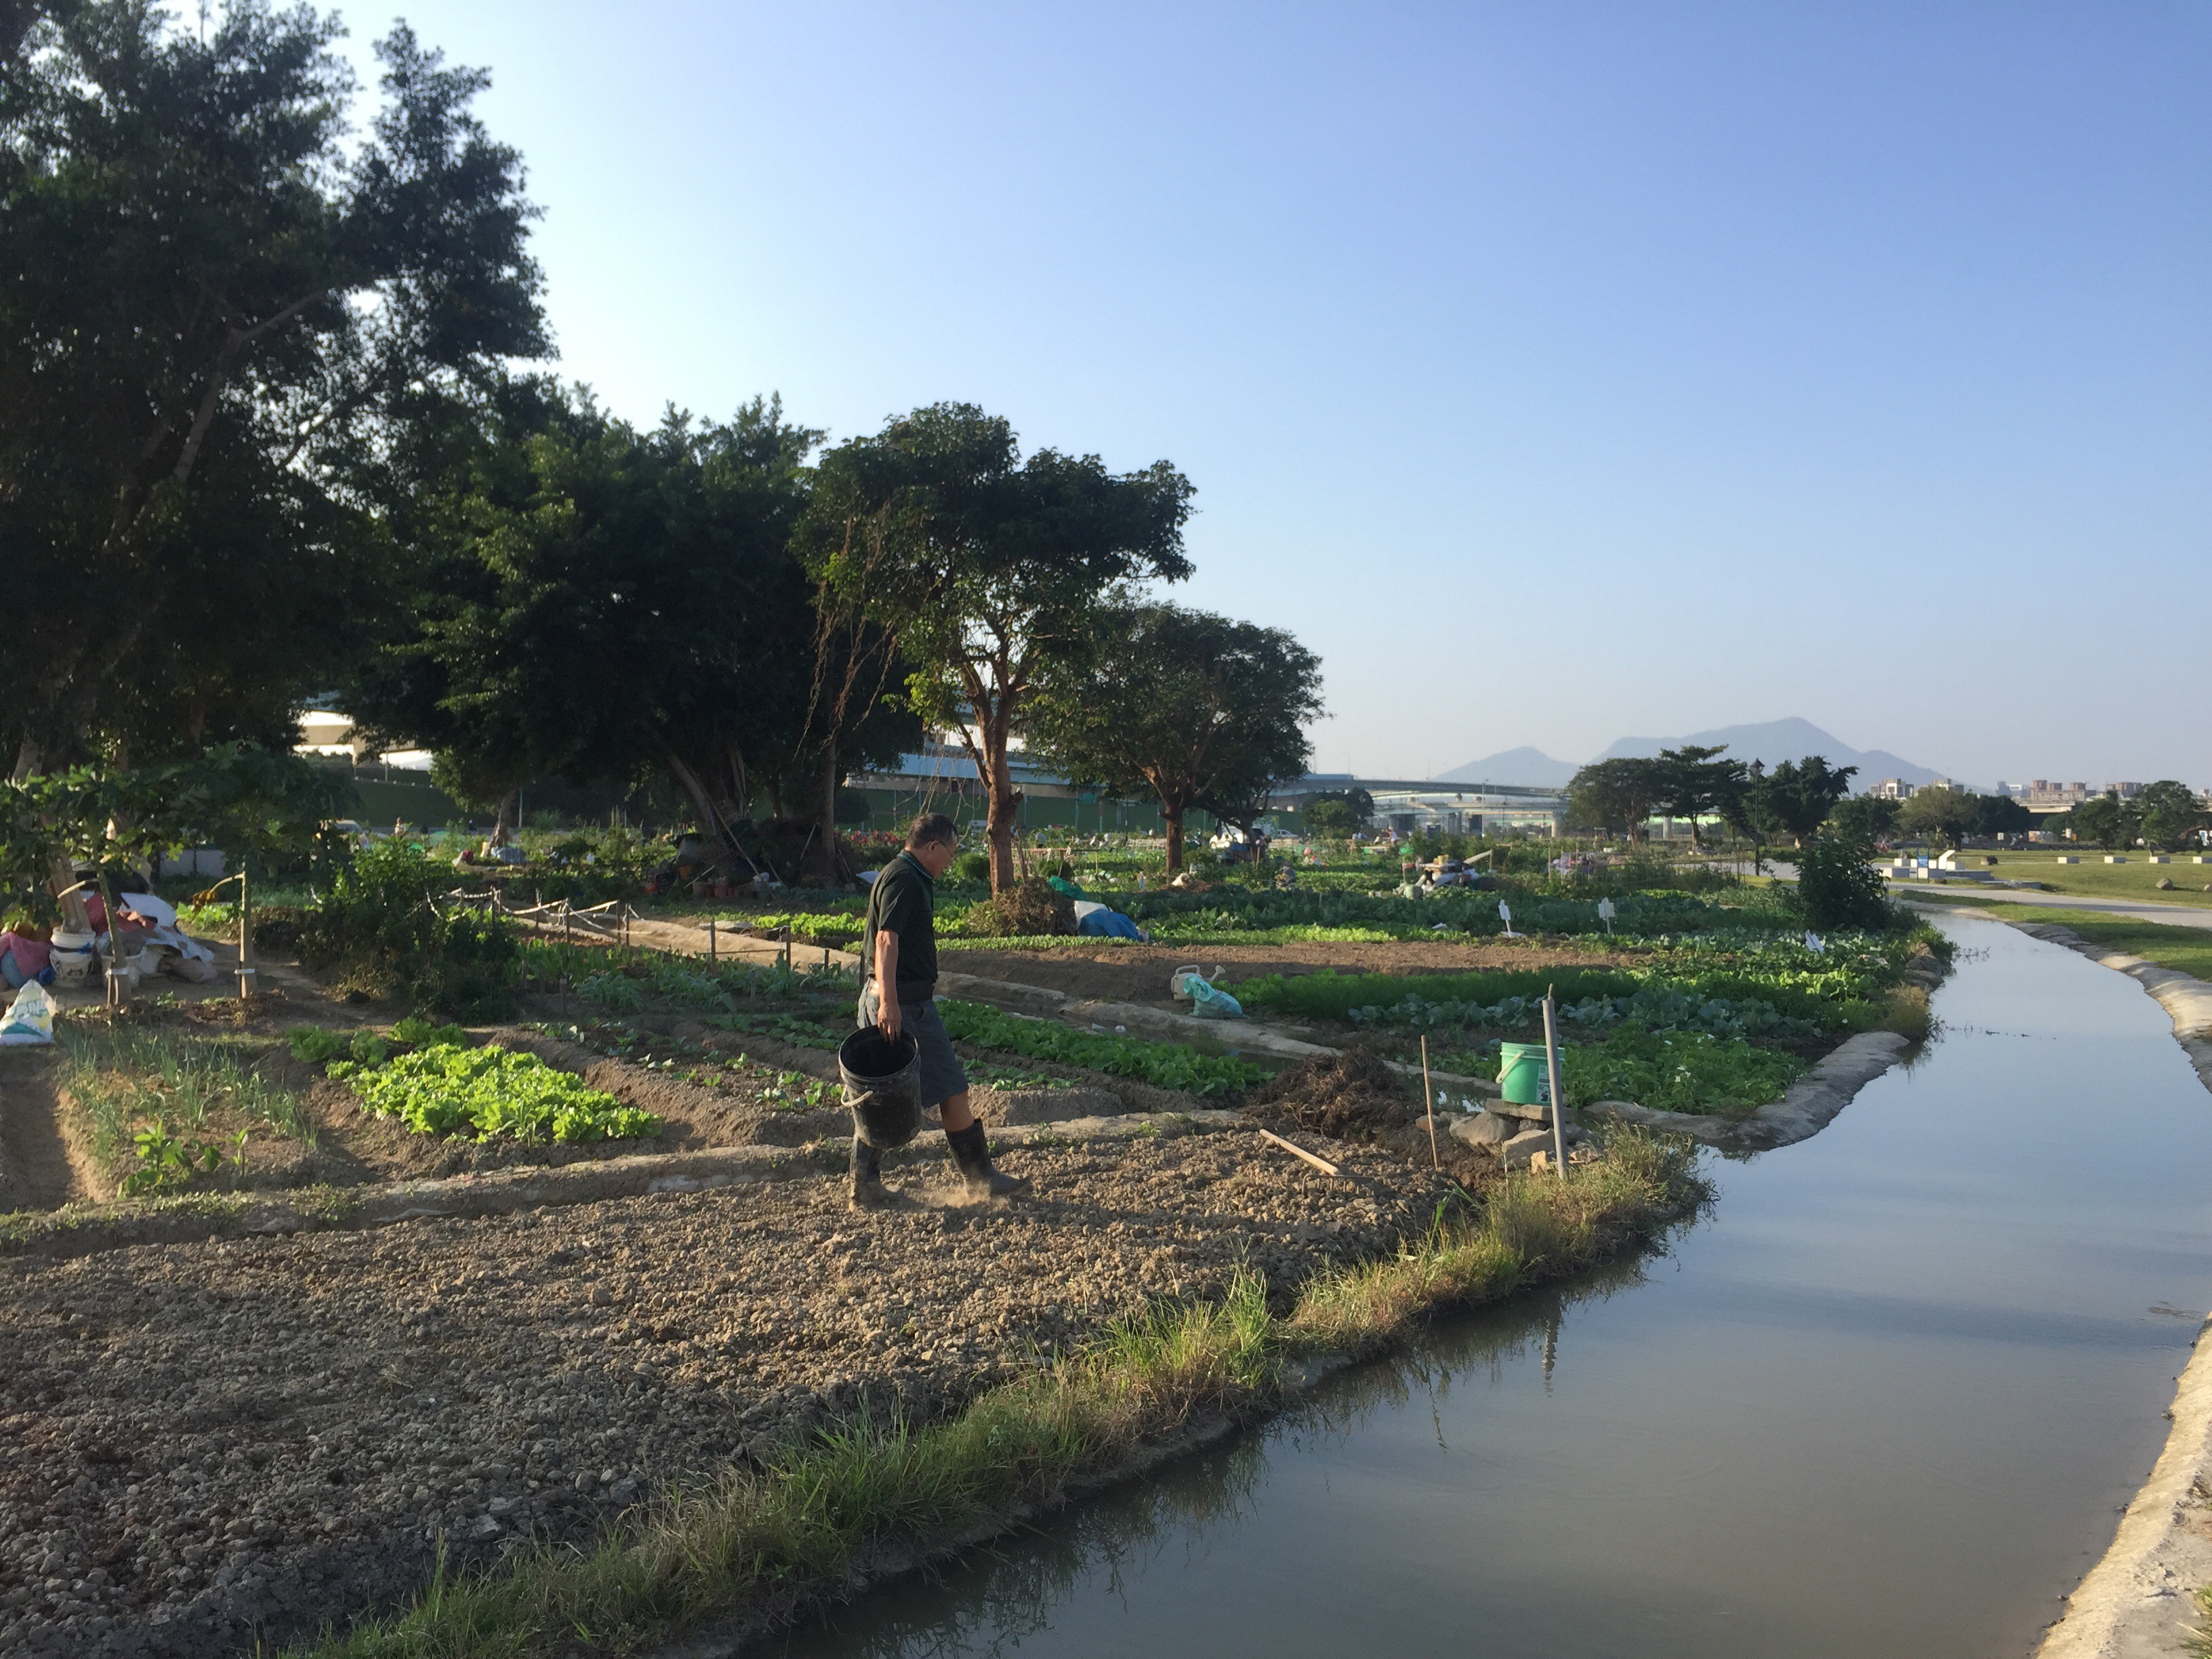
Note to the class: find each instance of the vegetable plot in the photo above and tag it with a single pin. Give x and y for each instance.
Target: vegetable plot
(446, 1090)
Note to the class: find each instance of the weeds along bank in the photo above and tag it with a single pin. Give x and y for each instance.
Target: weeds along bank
(864, 1495)
(253, 1435)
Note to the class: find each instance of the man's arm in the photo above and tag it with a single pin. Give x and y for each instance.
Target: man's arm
(887, 1002)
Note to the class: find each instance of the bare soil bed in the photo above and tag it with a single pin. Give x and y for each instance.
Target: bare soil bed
(1139, 973)
(205, 1445)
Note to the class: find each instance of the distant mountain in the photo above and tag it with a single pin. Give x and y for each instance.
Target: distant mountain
(1782, 740)
(1524, 767)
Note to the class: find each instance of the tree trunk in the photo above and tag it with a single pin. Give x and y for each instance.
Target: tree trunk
(1171, 815)
(1005, 801)
(822, 862)
(504, 825)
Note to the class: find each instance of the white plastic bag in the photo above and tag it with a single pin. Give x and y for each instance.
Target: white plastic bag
(32, 1018)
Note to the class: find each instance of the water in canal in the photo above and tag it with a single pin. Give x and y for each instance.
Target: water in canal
(1886, 1400)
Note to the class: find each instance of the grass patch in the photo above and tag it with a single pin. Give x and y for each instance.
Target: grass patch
(2171, 945)
(2094, 879)
(123, 1076)
(764, 1544)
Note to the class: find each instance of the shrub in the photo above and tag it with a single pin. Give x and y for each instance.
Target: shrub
(1838, 888)
(1028, 909)
(973, 866)
(376, 928)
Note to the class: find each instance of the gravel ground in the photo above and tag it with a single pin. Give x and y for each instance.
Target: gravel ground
(203, 1445)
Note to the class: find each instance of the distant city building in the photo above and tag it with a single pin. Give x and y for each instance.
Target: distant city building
(2125, 790)
(1892, 789)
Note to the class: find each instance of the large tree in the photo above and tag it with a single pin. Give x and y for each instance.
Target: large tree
(1946, 815)
(214, 295)
(1797, 796)
(1201, 711)
(979, 565)
(1864, 820)
(2170, 813)
(1694, 781)
(1615, 795)
(591, 601)
(2109, 820)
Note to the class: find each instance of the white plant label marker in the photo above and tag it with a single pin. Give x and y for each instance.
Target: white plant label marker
(1505, 916)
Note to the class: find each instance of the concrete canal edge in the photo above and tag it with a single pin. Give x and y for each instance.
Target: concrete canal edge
(1809, 1107)
(2139, 1601)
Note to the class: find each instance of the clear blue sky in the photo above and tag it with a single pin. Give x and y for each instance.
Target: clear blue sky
(1556, 371)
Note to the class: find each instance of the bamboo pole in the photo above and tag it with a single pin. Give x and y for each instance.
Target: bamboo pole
(1559, 1097)
(1429, 1104)
(1320, 1164)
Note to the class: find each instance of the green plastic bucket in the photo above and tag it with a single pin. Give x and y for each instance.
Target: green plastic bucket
(1523, 1075)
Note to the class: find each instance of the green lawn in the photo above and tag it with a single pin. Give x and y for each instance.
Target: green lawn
(2186, 949)
(2094, 879)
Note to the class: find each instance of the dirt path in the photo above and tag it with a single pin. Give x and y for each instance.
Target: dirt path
(38, 1170)
(1139, 973)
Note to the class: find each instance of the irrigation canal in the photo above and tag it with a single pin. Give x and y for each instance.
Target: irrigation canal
(1887, 1398)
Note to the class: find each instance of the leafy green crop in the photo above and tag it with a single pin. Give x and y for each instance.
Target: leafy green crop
(1164, 1065)
(1726, 985)
(447, 1089)
(1677, 1072)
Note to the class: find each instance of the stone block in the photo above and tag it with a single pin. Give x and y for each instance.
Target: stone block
(1484, 1129)
(1516, 1153)
(2115, 858)
(2066, 858)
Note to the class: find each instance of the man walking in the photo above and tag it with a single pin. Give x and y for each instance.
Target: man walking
(899, 950)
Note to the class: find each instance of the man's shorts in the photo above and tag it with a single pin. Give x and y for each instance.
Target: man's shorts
(942, 1076)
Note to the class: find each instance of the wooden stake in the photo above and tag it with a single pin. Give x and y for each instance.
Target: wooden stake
(1429, 1100)
(710, 938)
(1320, 1164)
(1558, 1099)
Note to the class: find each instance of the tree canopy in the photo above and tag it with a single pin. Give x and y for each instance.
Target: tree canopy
(592, 601)
(979, 565)
(215, 300)
(1197, 709)
(1616, 795)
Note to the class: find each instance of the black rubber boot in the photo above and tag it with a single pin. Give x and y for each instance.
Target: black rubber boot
(868, 1191)
(971, 1152)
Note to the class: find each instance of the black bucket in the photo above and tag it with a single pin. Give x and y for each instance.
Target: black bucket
(883, 1085)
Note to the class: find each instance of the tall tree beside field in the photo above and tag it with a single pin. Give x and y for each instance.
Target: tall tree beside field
(214, 301)
(594, 601)
(2109, 820)
(1616, 795)
(2170, 813)
(979, 565)
(1201, 711)
(1797, 796)
(1693, 782)
(1946, 816)
(1864, 819)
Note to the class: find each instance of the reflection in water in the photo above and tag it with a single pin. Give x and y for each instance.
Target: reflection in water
(993, 1599)
(1886, 1400)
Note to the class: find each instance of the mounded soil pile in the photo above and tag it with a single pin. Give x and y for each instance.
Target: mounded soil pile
(205, 1445)
(1354, 1098)
(1139, 973)
(1350, 1096)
